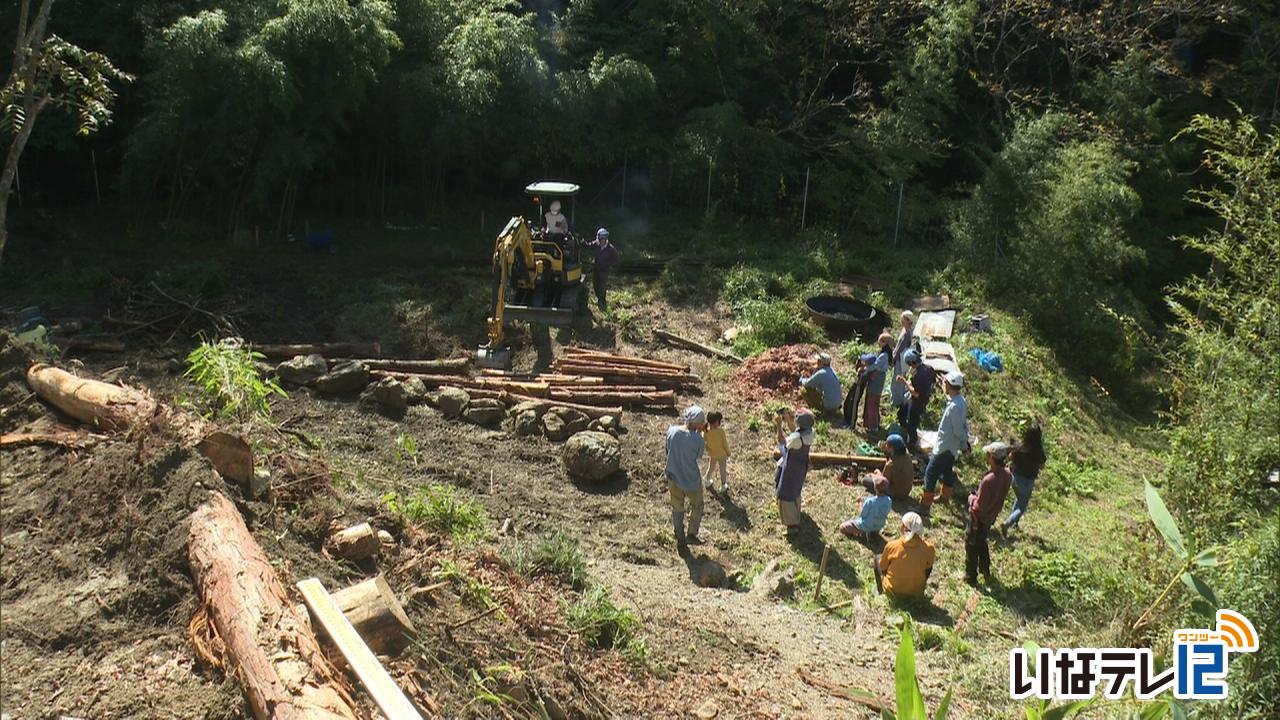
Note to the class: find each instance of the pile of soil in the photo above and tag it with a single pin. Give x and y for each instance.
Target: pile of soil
(773, 374)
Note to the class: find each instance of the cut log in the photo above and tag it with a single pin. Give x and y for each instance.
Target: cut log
(579, 353)
(328, 350)
(590, 411)
(372, 608)
(659, 398)
(549, 378)
(819, 459)
(355, 543)
(449, 366)
(276, 657)
(537, 389)
(95, 403)
(685, 342)
(384, 691)
(91, 344)
(627, 375)
(596, 364)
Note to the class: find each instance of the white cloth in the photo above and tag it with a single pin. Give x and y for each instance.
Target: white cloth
(557, 223)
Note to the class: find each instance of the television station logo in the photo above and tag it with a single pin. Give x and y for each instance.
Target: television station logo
(1198, 672)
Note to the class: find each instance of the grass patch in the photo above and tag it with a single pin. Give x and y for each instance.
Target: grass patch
(440, 509)
(607, 626)
(471, 590)
(555, 555)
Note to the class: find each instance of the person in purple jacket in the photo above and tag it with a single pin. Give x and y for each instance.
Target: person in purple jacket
(606, 256)
(793, 466)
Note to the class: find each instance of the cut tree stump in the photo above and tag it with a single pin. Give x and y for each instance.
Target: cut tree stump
(92, 402)
(276, 657)
(327, 350)
(357, 542)
(372, 608)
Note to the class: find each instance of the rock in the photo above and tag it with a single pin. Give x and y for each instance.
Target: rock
(526, 423)
(415, 390)
(554, 711)
(710, 574)
(345, 377)
(259, 482)
(575, 421)
(593, 456)
(391, 394)
(608, 423)
(385, 538)
(553, 426)
(452, 401)
(536, 408)
(708, 710)
(302, 369)
(773, 582)
(485, 411)
(505, 528)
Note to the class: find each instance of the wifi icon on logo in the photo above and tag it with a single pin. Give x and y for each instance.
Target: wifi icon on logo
(1236, 632)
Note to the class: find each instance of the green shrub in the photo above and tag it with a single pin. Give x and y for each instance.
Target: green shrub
(743, 283)
(1063, 478)
(1249, 587)
(227, 374)
(605, 625)
(777, 322)
(556, 554)
(438, 508)
(1076, 584)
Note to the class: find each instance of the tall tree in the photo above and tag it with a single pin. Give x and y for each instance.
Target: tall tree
(48, 72)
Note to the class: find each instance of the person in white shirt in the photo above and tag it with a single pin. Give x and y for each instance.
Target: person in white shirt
(953, 439)
(557, 223)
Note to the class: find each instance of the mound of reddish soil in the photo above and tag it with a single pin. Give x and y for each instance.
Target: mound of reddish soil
(774, 374)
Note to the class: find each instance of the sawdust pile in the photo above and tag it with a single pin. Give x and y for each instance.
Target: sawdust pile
(773, 374)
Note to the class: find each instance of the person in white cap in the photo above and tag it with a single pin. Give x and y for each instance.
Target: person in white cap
(984, 509)
(605, 257)
(822, 388)
(557, 223)
(953, 439)
(903, 568)
(684, 480)
(906, 341)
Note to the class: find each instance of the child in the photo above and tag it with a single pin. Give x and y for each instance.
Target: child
(875, 511)
(984, 508)
(717, 451)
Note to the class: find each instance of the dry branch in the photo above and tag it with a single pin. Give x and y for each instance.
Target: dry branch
(685, 342)
(276, 657)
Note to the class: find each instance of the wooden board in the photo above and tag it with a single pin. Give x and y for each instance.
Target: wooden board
(384, 691)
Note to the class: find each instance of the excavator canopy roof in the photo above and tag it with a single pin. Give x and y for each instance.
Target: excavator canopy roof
(551, 187)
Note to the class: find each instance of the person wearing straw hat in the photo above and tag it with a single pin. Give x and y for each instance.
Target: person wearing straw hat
(822, 388)
(684, 480)
(795, 436)
(906, 340)
(984, 509)
(953, 439)
(905, 565)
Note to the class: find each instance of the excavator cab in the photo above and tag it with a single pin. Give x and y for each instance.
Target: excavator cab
(537, 276)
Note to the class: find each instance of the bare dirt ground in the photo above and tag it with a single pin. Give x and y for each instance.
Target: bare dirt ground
(97, 596)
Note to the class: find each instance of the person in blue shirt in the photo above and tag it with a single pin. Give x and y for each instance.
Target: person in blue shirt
(875, 512)
(822, 388)
(953, 439)
(684, 479)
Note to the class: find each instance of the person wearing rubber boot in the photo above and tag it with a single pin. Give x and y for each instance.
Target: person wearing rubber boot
(684, 480)
(953, 439)
(984, 508)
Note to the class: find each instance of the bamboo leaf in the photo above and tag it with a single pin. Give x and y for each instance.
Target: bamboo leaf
(943, 707)
(1065, 711)
(1199, 587)
(1164, 521)
(1207, 557)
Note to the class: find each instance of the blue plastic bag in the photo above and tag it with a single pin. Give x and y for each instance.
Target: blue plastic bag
(987, 360)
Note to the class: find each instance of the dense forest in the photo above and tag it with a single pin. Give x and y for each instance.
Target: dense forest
(1109, 170)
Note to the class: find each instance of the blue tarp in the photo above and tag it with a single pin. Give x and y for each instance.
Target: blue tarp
(989, 361)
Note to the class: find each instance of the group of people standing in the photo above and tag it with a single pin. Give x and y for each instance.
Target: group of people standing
(903, 565)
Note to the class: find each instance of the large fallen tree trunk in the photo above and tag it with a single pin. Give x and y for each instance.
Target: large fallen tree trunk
(659, 398)
(820, 459)
(328, 350)
(92, 402)
(276, 657)
(449, 366)
(688, 344)
(590, 411)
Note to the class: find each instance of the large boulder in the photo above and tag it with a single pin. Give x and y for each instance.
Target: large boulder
(773, 582)
(525, 423)
(302, 369)
(605, 423)
(553, 426)
(485, 411)
(345, 377)
(391, 395)
(415, 390)
(452, 402)
(592, 456)
(710, 574)
(534, 407)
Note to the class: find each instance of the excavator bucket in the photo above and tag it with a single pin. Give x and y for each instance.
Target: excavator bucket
(493, 358)
(553, 316)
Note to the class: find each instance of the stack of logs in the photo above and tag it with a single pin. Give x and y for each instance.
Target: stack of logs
(593, 381)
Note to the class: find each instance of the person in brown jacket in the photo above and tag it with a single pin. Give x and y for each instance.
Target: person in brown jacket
(984, 509)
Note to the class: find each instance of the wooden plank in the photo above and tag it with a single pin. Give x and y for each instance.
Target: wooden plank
(384, 691)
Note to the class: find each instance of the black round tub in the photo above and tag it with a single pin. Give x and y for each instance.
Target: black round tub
(844, 315)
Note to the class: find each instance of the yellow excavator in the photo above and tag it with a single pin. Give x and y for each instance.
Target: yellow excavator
(537, 276)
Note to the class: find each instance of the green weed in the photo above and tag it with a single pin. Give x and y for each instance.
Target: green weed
(439, 508)
(556, 554)
(406, 449)
(605, 625)
(471, 590)
(227, 375)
